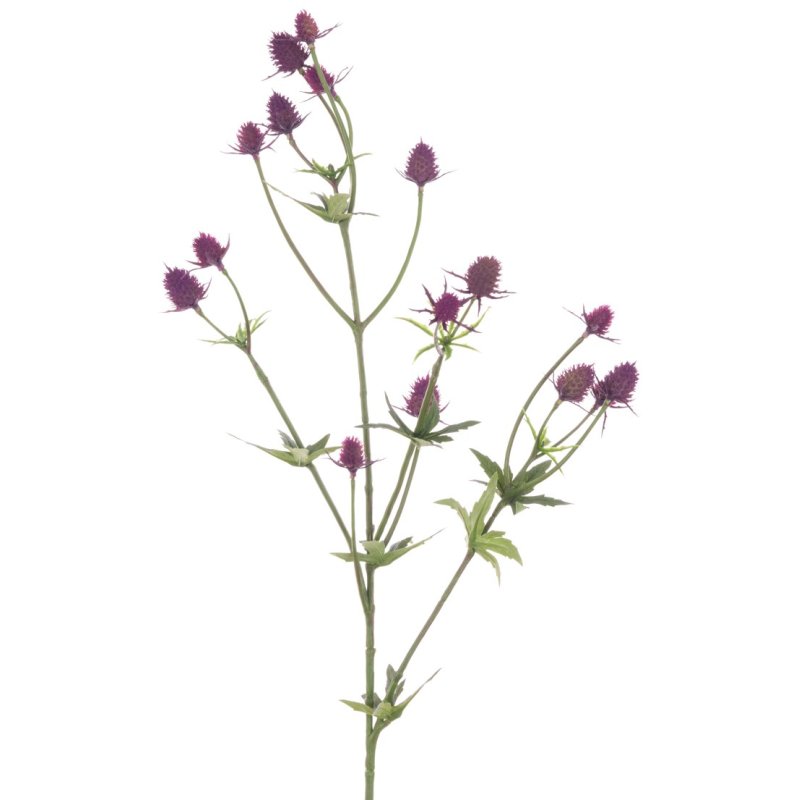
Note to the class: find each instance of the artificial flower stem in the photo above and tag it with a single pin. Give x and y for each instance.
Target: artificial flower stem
(577, 427)
(293, 143)
(540, 435)
(362, 593)
(402, 503)
(248, 332)
(600, 412)
(533, 394)
(404, 267)
(293, 247)
(222, 333)
(398, 487)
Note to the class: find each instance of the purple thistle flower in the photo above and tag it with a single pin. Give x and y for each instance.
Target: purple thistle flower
(417, 394)
(209, 252)
(617, 387)
(306, 28)
(574, 383)
(183, 288)
(315, 84)
(250, 140)
(287, 54)
(351, 456)
(444, 309)
(481, 279)
(282, 115)
(421, 166)
(598, 321)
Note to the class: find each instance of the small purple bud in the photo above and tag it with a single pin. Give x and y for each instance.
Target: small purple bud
(250, 140)
(617, 387)
(209, 252)
(315, 84)
(421, 166)
(574, 383)
(288, 55)
(282, 115)
(351, 456)
(417, 394)
(183, 288)
(598, 321)
(306, 28)
(446, 308)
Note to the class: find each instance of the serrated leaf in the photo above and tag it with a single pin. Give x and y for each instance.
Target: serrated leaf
(458, 426)
(542, 500)
(460, 510)
(487, 465)
(481, 509)
(496, 542)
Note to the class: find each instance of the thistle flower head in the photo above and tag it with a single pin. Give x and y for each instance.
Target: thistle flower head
(617, 388)
(209, 252)
(315, 84)
(481, 280)
(598, 321)
(306, 28)
(421, 166)
(282, 115)
(444, 309)
(417, 394)
(183, 288)
(574, 383)
(288, 55)
(250, 140)
(351, 456)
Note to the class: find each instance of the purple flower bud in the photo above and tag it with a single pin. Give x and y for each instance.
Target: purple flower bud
(417, 394)
(446, 308)
(306, 28)
(209, 252)
(421, 166)
(574, 383)
(288, 55)
(617, 387)
(351, 456)
(183, 288)
(598, 321)
(250, 140)
(282, 115)
(315, 84)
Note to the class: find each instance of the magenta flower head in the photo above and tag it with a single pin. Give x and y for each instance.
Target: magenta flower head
(616, 389)
(315, 84)
(183, 288)
(209, 252)
(481, 279)
(288, 55)
(417, 394)
(574, 383)
(282, 115)
(250, 140)
(351, 456)
(444, 309)
(421, 166)
(597, 321)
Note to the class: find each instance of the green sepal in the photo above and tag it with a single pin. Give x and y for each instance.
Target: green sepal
(240, 337)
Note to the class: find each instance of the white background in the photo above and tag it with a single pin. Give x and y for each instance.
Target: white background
(171, 623)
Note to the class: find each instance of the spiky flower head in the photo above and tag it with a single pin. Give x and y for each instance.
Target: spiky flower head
(351, 456)
(574, 383)
(183, 288)
(250, 140)
(209, 252)
(617, 388)
(281, 114)
(315, 84)
(306, 28)
(421, 166)
(288, 55)
(598, 321)
(481, 280)
(417, 394)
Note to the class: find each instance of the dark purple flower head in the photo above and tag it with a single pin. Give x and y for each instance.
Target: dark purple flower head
(250, 140)
(482, 278)
(209, 252)
(315, 84)
(617, 387)
(282, 115)
(306, 28)
(574, 383)
(417, 394)
(351, 456)
(444, 309)
(421, 166)
(183, 288)
(288, 55)
(598, 321)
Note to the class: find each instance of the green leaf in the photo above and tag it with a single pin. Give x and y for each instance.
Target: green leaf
(401, 707)
(460, 510)
(481, 509)
(496, 542)
(487, 465)
(417, 324)
(421, 351)
(362, 707)
(542, 500)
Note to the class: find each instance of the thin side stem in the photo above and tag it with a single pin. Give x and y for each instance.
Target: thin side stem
(359, 577)
(402, 503)
(248, 332)
(577, 427)
(398, 486)
(600, 412)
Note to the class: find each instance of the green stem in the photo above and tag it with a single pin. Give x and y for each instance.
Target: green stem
(577, 427)
(293, 142)
(248, 332)
(404, 497)
(222, 333)
(293, 247)
(359, 577)
(533, 394)
(398, 486)
(404, 267)
(600, 412)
